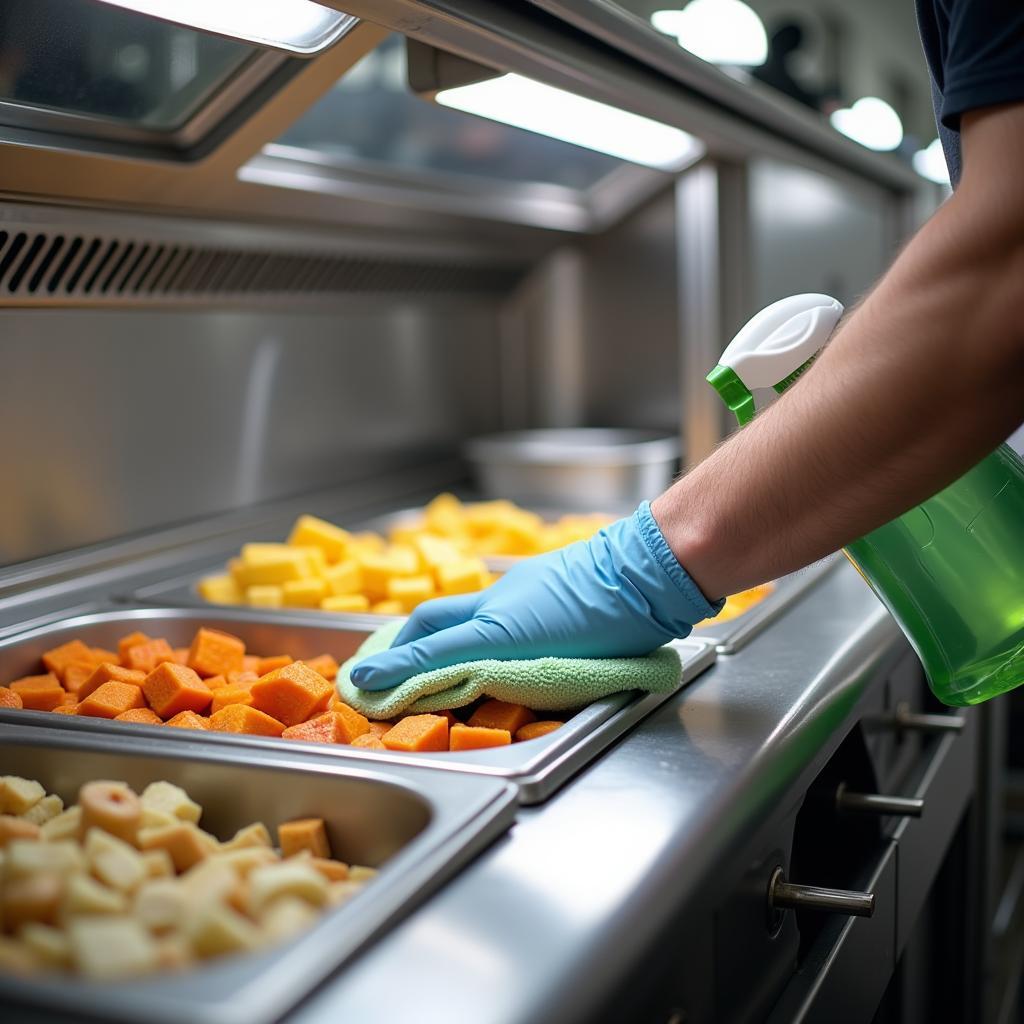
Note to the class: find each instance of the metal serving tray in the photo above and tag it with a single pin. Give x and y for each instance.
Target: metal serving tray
(538, 766)
(376, 814)
(730, 637)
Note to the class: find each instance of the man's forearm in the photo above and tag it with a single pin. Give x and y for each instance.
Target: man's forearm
(923, 380)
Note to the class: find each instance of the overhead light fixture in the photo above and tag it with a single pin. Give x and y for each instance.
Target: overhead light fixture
(930, 163)
(871, 122)
(546, 110)
(718, 31)
(297, 26)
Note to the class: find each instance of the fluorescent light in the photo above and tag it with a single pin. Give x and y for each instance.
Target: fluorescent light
(871, 122)
(545, 110)
(718, 31)
(299, 26)
(930, 163)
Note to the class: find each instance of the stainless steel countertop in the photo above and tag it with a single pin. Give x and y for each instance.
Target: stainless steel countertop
(543, 924)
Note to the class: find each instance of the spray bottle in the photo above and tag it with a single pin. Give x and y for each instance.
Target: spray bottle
(950, 570)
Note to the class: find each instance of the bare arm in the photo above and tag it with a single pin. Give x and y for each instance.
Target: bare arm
(923, 380)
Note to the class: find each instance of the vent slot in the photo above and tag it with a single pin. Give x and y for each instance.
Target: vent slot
(40, 266)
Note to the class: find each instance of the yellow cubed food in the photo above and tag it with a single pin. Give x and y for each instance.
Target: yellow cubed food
(388, 608)
(346, 603)
(259, 552)
(436, 551)
(315, 559)
(265, 595)
(309, 531)
(220, 590)
(376, 570)
(411, 590)
(406, 533)
(304, 593)
(445, 514)
(462, 577)
(289, 565)
(346, 577)
(405, 560)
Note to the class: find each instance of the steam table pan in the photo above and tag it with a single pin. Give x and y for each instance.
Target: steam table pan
(538, 766)
(420, 826)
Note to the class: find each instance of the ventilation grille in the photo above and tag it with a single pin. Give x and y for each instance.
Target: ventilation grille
(43, 267)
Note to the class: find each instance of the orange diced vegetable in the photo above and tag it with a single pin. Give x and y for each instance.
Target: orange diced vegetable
(325, 665)
(146, 656)
(226, 695)
(303, 834)
(330, 727)
(140, 716)
(251, 663)
(534, 730)
(101, 654)
(497, 714)
(180, 655)
(214, 653)
(66, 709)
(242, 718)
(272, 662)
(76, 673)
(369, 740)
(379, 729)
(10, 699)
(292, 694)
(241, 680)
(172, 688)
(188, 720)
(129, 641)
(476, 737)
(111, 699)
(215, 682)
(106, 673)
(39, 693)
(58, 659)
(418, 733)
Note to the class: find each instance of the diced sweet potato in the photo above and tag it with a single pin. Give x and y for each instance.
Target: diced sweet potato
(380, 729)
(251, 663)
(215, 653)
(189, 720)
(476, 737)
(215, 682)
(330, 727)
(107, 672)
(369, 740)
(145, 657)
(129, 641)
(534, 730)
(66, 709)
(180, 655)
(497, 714)
(39, 693)
(244, 719)
(241, 680)
(140, 716)
(111, 699)
(418, 733)
(76, 674)
(171, 688)
(230, 695)
(325, 665)
(10, 699)
(272, 662)
(101, 655)
(292, 694)
(58, 659)
(303, 834)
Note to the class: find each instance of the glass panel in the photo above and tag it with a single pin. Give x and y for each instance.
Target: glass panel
(371, 115)
(78, 56)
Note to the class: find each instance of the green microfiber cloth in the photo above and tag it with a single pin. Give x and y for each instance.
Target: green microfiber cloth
(544, 684)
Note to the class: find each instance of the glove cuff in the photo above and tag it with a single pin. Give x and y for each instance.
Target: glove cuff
(656, 544)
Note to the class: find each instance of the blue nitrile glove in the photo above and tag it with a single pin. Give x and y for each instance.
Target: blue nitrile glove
(621, 593)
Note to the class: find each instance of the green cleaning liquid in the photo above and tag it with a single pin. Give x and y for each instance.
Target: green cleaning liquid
(950, 570)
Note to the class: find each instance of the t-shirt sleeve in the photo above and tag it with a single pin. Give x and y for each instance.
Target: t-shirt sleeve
(984, 60)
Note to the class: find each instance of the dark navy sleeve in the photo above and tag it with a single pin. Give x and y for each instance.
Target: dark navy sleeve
(983, 58)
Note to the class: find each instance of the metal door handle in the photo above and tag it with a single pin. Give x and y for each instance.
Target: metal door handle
(905, 719)
(785, 895)
(878, 803)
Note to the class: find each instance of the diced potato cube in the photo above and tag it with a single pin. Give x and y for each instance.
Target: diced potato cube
(173, 952)
(29, 857)
(17, 958)
(351, 603)
(220, 590)
(257, 553)
(12, 828)
(244, 860)
(113, 861)
(66, 825)
(290, 878)
(45, 810)
(106, 948)
(314, 532)
(186, 844)
(154, 818)
(462, 577)
(388, 608)
(342, 892)
(210, 881)
(266, 595)
(286, 917)
(171, 799)
(17, 795)
(361, 873)
(315, 558)
(255, 834)
(304, 593)
(289, 565)
(161, 904)
(34, 897)
(84, 895)
(216, 930)
(344, 578)
(411, 590)
(49, 945)
(158, 864)
(309, 834)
